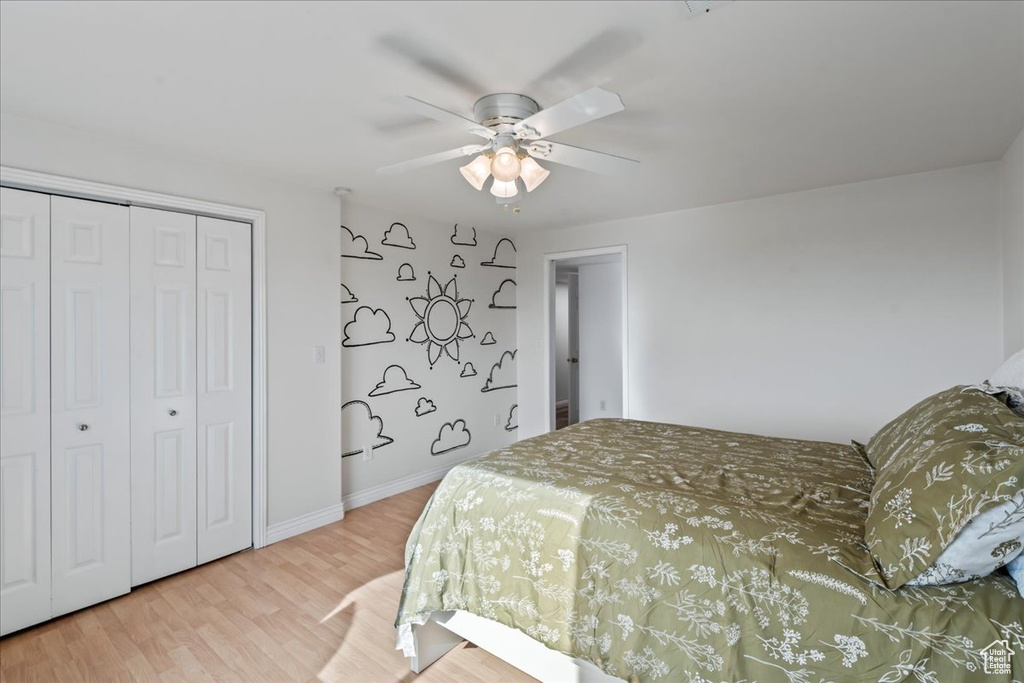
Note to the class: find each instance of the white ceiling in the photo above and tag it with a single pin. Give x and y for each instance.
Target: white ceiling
(753, 99)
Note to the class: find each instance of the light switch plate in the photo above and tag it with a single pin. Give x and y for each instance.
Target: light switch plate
(319, 355)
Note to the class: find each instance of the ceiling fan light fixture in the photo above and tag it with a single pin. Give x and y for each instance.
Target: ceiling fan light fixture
(505, 165)
(477, 171)
(532, 173)
(504, 189)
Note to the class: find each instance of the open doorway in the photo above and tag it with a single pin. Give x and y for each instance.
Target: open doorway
(586, 335)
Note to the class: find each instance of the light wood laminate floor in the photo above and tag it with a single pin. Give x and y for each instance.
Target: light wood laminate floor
(320, 606)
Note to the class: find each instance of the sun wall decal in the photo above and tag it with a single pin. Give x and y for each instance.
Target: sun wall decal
(442, 319)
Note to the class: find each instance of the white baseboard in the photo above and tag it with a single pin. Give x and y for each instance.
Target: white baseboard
(334, 513)
(391, 488)
(304, 523)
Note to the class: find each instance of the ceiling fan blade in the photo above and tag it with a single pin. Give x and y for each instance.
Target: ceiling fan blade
(588, 60)
(586, 159)
(430, 159)
(429, 60)
(443, 115)
(579, 109)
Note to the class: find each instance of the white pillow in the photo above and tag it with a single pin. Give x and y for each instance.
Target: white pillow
(1010, 373)
(1016, 569)
(988, 542)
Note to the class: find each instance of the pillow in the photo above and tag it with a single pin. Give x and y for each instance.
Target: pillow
(988, 541)
(1016, 569)
(940, 465)
(1010, 373)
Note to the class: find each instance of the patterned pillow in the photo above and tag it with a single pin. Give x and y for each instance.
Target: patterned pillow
(940, 466)
(986, 543)
(1016, 569)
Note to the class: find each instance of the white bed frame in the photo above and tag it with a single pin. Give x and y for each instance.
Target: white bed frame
(445, 630)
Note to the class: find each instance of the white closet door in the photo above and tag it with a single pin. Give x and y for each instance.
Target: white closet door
(91, 505)
(224, 404)
(163, 376)
(25, 409)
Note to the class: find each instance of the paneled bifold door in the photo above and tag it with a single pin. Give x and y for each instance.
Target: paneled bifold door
(90, 483)
(163, 370)
(25, 409)
(224, 405)
(126, 377)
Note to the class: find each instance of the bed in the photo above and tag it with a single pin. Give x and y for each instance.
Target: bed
(656, 552)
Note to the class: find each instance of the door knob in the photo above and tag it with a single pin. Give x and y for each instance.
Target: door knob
(573, 360)
(83, 427)
(172, 412)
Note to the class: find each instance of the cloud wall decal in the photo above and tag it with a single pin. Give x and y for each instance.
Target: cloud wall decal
(395, 379)
(503, 373)
(355, 246)
(505, 295)
(504, 255)
(424, 406)
(361, 429)
(398, 236)
(347, 297)
(464, 236)
(370, 326)
(453, 435)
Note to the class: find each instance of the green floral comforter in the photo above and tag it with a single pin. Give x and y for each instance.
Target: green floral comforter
(669, 553)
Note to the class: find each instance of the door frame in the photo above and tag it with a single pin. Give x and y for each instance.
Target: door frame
(550, 262)
(86, 189)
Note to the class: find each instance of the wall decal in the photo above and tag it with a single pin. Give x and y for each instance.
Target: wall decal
(395, 379)
(453, 435)
(347, 297)
(513, 418)
(503, 373)
(424, 406)
(488, 340)
(462, 237)
(504, 255)
(505, 295)
(458, 262)
(370, 326)
(406, 273)
(361, 429)
(355, 246)
(442, 319)
(468, 370)
(398, 236)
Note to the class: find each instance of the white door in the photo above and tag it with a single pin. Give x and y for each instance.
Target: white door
(163, 376)
(574, 348)
(224, 402)
(25, 409)
(91, 508)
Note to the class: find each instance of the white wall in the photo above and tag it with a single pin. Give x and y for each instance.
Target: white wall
(600, 332)
(818, 314)
(304, 469)
(1012, 214)
(404, 443)
(561, 342)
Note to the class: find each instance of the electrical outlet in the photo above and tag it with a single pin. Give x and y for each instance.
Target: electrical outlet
(367, 454)
(319, 355)
(604, 405)
(497, 419)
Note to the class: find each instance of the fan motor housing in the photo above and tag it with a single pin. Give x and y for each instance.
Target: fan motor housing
(505, 107)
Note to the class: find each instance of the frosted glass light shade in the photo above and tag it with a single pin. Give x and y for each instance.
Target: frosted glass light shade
(505, 165)
(532, 173)
(504, 190)
(476, 171)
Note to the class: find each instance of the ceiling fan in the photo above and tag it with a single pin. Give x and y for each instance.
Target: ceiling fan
(515, 131)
